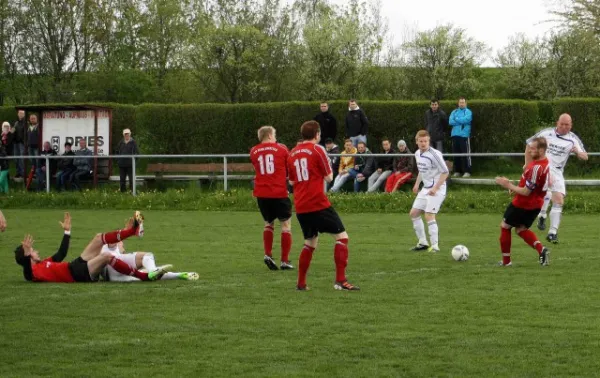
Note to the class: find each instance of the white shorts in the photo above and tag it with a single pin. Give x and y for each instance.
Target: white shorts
(112, 275)
(430, 204)
(557, 182)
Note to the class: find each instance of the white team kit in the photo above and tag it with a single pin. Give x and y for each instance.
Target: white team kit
(558, 152)
(431, 166)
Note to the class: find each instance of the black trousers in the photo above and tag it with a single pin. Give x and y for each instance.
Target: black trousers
(460, 145)
(125, 172)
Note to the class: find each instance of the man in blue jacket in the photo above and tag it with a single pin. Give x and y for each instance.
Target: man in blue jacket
(460, 121)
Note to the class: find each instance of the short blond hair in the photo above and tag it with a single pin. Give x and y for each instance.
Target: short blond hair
(422, 134)
(5, 124)
(264, 132)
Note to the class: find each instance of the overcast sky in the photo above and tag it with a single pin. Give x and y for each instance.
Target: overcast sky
(492, 22)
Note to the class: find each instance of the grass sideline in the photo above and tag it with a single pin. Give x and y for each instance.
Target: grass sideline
(417, 315)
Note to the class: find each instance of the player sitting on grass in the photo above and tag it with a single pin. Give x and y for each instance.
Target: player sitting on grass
(88, 266)
(139, 260)
(529, 198)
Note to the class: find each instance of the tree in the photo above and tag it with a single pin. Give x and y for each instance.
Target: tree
(581, 14)
(442, 62)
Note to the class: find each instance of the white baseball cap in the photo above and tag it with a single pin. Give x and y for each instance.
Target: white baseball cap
(126, 131)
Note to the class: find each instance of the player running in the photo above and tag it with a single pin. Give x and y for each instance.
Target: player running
(139, 260)
(433, 172)
(561, 143)
(88, 266)
(269, 159)
(529, 198)
(308, 166)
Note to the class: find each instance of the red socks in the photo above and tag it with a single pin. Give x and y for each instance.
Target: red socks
(117, 236)
(340, 256)
(123, 268)
(268, 240)
(304, 264)
(505, 241)
(531, 239)
(286, 245)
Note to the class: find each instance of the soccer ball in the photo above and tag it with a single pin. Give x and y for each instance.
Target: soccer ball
(460, 253)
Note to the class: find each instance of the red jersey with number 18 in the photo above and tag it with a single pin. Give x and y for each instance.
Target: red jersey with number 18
(535, 178)
(270, 163)
(308, 166)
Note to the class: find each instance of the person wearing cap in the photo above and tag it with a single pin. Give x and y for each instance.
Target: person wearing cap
(66, 168)
(403, 168)
(127, 146)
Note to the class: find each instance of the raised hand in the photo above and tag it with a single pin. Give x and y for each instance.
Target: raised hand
(66, 223)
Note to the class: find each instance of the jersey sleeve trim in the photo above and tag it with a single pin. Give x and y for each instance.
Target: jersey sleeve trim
(440, 161)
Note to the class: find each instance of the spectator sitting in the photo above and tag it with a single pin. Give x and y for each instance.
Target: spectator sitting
(403, 169)
(346, 169)
(333, 149)
(65, 168)
(364, 165)
(40, 171)
(3, 170)
(83, 165)
(7, 141)
(385, 166)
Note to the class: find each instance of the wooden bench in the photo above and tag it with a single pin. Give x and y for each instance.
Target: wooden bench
(206, 171)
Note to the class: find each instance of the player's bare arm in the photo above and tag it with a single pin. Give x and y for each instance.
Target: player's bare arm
(528, 158)
(581, 155)
(507, 184)
(329, 178)
(418, 183)
(440, 182)
(27, 244)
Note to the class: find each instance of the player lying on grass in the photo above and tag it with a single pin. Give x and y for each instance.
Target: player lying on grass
(525, 207)
(139, 260)
(88, 266)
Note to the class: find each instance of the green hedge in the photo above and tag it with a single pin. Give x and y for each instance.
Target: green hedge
(498, 126)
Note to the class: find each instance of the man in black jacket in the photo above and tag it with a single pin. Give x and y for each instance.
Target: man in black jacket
(33, 138)
(364, 164)
(65, 168)
(40, 172)
(127, 146)
(385, 166)
(327, 122)
(436, 123)
(19, 129)
(357, 124)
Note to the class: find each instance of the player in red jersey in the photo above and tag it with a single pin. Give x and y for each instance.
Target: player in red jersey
(269, 159)
(308, 166)
(88, 266)
(526, 205)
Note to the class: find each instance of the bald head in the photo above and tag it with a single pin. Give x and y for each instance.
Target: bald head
(564, 124)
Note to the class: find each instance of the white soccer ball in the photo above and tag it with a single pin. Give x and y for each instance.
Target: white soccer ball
(460, 253)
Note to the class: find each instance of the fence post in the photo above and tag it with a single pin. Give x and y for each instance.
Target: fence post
(133, 179)
(225, 184)
(47, 175)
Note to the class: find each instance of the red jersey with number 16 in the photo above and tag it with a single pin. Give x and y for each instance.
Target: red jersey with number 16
(535, 178)
(308, 166)
(270, 163)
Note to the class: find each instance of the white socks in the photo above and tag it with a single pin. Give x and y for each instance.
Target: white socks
(419, 228)
(170, 276)
(148, 262)
(547, 199)
(555, 215)
(433, 232)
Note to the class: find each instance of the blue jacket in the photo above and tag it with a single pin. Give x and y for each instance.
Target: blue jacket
(460, 120)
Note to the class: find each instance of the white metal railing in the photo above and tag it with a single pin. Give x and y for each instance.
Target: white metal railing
(225, 158)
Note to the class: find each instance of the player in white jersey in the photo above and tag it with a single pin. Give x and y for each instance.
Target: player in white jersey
(561, 143)
(433, 172)
(139, 260)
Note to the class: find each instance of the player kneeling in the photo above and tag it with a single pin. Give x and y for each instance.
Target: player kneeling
(88, 266)
(528, 201)
(308, 167)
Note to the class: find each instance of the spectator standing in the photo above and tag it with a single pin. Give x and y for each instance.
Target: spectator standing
(65, 168)
(33, 137)
(403, 169)
(357, 124)
(460, 120)
(18, 130)
(40, 171)
(83, 165)
(7, 141)
(127, 146)
(385, 166)
(436, 122)
(3, 170)
(328, 124)
(346, 168)
(364, 165)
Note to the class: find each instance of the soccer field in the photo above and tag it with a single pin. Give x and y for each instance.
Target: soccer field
(418, 314)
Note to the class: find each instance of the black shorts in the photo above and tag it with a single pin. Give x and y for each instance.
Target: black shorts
(275, 208)
(323, 221)
(516, 217)
(79, 270)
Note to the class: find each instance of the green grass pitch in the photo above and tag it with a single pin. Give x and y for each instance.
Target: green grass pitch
(418, 314)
